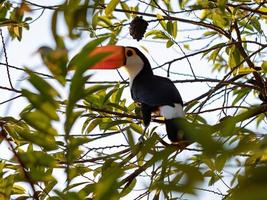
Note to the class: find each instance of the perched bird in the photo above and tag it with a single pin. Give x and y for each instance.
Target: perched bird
(55, 60)
(153, 93)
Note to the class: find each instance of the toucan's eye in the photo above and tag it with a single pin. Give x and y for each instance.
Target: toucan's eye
(129, 53)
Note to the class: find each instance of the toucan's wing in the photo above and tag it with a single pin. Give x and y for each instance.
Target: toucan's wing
(155, 91)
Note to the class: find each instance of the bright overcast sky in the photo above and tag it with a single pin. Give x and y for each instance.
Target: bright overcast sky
(22, 53)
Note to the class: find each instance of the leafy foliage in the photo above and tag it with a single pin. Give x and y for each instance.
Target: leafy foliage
(63, 132)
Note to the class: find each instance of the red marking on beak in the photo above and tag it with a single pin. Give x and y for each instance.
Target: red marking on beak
(115, 60)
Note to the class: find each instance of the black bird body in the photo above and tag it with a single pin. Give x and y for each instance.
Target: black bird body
(155, 90)
(154, 93)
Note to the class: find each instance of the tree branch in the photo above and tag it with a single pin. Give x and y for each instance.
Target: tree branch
(6, 60)
(239, 118)
(22, 165)
(259, 80)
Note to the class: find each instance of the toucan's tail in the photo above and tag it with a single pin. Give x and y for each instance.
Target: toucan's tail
(175, 130)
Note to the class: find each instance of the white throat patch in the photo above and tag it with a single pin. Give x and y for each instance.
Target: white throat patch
(134, 64)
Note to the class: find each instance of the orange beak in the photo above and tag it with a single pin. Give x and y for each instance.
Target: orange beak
(115, 60)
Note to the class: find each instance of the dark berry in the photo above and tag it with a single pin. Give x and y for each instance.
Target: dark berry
(137, 28)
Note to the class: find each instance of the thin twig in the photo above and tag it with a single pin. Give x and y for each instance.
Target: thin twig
(6, 59)
(11, 99)
(10, 89)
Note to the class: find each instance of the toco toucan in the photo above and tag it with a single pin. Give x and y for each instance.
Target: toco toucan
(153, 93)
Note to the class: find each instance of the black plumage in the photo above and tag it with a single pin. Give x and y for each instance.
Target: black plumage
(152, 92)
(155, 90)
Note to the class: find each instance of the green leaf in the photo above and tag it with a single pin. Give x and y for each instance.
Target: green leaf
(220, 162)
(48, 187)
(75, 15)
(70, 120)
(42, 103)
(4, 9)
(169, 43)
(117, 106)
(54, 28)
(17, 189)
(109, 125)
(214, 54)
(125, 7)
(108, 184)
(6, 185)
(201, 119)
(40, 174)
(75, 142)
(216, 46)
(234, 57)
(42, 86)
(264, 66)
(82, 61)
(169, 27)
(157, 34)
(116, 97)
(136, 128)
(174, 29)
(39, 121)
(252, 185)
(111, 6)
(8, 22)
(256, 24)
(85, 124)
(228, 127)
(87, 189)
(240, 93)
(73, 155)
(263, 9)
(74, 185)
(221, 4)
(48, 142)
(108, 95)
(128, 189)
(106, 22)
(246, 25)
(95, 20)
(37, 158)
(213, 179)
(219, 18)
(96, 88)
(260, 118)
(161, 21)
(210, 33)
(209, 162)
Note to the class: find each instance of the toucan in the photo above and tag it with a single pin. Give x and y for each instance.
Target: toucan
(153, 93)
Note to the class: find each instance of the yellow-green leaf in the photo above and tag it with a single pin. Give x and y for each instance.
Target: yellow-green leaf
(37, 158)
(39, 121)
(264, 66)
(111, 6)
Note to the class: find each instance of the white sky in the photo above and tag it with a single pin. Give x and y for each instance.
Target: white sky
(22, 54)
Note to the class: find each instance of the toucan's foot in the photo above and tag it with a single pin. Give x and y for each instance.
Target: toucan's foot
(141, 139)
